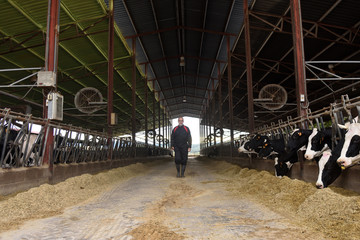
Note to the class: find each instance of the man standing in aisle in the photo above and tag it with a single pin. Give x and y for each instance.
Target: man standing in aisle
(181, 144)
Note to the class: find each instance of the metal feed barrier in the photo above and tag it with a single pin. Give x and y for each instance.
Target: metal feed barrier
(24, 139)
(336, 113)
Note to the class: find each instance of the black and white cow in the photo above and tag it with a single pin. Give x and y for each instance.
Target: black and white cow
(297, 142)
(319, 141)
(272, 147)
(257, 141)
(8, 149)
(245, 148)
(329, 169)
(284, 162)
(350, 152)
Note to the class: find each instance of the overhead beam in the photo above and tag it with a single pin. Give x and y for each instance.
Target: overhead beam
(185, 56)
(179, 74)
(179, 87)
(181, 27)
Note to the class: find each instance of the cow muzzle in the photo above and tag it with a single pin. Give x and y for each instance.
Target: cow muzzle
(343, 163)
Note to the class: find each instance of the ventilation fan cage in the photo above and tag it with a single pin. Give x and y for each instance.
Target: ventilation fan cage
(272, 97)
(89, 100)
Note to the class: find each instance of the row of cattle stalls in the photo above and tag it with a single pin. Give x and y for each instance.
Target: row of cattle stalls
(333, 117)
(337, 113)
(24, 139)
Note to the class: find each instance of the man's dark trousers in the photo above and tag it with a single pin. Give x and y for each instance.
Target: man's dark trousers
(181, 154)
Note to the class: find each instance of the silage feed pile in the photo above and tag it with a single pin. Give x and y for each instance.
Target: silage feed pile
(48, 200)
(332, 211)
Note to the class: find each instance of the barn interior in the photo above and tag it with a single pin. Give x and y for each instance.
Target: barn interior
(129, 67)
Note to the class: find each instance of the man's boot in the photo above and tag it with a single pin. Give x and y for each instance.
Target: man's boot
(183, 170)
(178, 170)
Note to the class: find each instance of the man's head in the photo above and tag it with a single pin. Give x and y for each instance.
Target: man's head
(181, 121)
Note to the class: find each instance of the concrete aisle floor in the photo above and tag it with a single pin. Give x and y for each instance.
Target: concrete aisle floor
(158, 205)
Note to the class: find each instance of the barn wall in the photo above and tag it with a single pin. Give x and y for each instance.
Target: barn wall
(21, 179)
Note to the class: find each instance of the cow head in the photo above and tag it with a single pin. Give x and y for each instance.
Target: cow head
(329, 170)
(257, 141)
(350, 152)
(282, 168)
(321, 164)
(244, 147)
(266, 149)
(316, 144)
(298, 139)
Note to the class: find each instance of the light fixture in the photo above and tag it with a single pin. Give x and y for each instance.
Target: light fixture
(182, 61)
(184, 99)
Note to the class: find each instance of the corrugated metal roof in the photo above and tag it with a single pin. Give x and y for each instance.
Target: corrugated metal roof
(82, 60)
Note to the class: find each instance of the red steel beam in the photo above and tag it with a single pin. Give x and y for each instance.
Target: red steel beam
(248, 68)
(220, 103)
(51, 60)
(231, 117)
(110, 87)
(133, 98)
(159, 124)
(153, 113)
(299, 59)
(146, 107)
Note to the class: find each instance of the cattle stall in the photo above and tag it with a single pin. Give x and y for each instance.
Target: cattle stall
(332, 118)
(25, 146)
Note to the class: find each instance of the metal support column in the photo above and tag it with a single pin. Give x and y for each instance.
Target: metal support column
(133, 98)
(230, 97)
(299, 59)
(153, 115)
(159, 126)
(248, 68)
(110, 88)
(163, 128)
(220, 106)
(209, 117)
(206, 129)
(213, 109)
(146, 107)
(51, 64)
(166, 130)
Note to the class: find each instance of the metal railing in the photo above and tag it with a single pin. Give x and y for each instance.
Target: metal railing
(24, 139)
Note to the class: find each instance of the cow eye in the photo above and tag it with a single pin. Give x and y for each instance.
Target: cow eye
(356, 139)
(300, 133)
